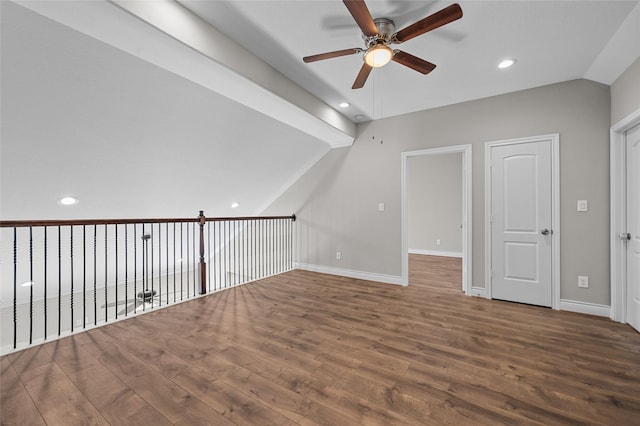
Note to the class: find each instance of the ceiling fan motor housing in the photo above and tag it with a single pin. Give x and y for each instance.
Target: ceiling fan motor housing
(386, 28)
(147, 295)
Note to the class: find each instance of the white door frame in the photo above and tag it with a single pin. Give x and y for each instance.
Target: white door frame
(466, 211)
(618, 171)
(555, 211)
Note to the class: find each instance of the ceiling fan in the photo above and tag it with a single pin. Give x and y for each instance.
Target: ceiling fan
(145, 299)
(378, 35)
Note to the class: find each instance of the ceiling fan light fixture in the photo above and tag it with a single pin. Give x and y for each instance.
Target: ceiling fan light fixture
(378, 55)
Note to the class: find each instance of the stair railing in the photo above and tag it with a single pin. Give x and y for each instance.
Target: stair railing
(58, 277)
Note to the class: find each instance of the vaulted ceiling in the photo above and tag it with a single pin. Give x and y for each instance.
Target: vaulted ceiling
(147, 108)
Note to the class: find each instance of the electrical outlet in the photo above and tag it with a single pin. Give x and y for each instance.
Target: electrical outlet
(438, 241)
(338, 255)
(583, 282)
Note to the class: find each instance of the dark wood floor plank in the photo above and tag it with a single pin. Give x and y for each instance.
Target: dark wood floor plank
(172, 401)
(307, 348)
(29, 360)
(58, 400)
(230, 402)
(70, 356)
(117, 402)
(301, 409)
(146, 349)
(16, 406)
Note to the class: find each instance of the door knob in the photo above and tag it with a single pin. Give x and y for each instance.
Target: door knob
(545, 232)
(624, 236)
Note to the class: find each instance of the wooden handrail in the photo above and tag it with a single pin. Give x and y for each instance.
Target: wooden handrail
(80, 222)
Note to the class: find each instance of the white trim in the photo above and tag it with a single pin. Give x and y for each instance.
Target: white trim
(361, 275)
(555, 210)
(467, 253)
(457, 254)
(618, 199)
(585, 308)
(555, 237)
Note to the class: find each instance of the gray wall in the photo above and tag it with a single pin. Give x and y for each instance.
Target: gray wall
(337, 200)
(625, 93)
(434, 202)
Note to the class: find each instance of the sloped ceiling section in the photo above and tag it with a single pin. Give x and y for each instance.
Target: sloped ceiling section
(128, 138)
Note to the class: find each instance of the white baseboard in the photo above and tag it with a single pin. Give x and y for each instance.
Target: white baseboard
(436, 253)
(585, 308)
(361, 275)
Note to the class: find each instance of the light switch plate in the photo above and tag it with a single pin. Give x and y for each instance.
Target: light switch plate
(583, 206)
(380, 207)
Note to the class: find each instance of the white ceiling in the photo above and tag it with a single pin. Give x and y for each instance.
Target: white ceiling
(553, 41)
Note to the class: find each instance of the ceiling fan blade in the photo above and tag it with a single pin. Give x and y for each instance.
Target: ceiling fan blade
(329, 55)
(362, 16)
(431, 22)
(362, 76)
(131, 307)
(112, 304)
(413, 62)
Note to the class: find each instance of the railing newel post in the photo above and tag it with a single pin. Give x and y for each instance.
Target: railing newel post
(203, 265)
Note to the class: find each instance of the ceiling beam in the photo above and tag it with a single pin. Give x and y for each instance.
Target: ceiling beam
(170, 36)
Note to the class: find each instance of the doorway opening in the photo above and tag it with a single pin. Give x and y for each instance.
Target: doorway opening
(455, 240)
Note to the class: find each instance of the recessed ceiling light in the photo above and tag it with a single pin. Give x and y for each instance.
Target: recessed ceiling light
(234, 205)
(506, 63)
(68, 201)
(344, 105)
(27, 284)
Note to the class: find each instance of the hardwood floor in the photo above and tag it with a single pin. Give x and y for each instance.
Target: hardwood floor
(306, 348)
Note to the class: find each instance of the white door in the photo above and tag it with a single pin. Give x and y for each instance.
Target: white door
(633, 227)
(521, 226)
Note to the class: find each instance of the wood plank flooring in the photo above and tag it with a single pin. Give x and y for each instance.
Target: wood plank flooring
(304, 348)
